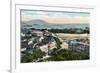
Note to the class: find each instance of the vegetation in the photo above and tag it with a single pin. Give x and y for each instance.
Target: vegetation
(63, 55)
(58, 42)
(34, 56)
(72, 31)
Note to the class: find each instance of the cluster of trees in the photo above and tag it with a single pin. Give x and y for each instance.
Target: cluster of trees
(37, 53)
(72, 30)
(65, 55)
(56, 55)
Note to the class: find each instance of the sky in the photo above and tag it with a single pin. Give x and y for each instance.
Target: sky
(55, 17)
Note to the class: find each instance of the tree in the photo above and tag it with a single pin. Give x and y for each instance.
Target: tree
(65, 55)
(37, 53)
(58, 42)
(27, 58)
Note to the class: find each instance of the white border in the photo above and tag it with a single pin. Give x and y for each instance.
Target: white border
(16, 66)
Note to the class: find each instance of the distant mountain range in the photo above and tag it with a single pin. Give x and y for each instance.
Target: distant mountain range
(41, 24)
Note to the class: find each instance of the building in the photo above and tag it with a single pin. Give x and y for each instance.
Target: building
(37, 32)
(64, 45)
(79, 46)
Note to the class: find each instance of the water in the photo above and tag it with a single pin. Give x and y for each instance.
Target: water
(57, 26)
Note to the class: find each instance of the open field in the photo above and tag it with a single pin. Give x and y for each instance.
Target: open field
(71, 36)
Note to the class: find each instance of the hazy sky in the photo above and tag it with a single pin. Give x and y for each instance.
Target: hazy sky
(55, 17)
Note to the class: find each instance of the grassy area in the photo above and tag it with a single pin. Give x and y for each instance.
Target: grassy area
(67, 55)
(61, 55)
